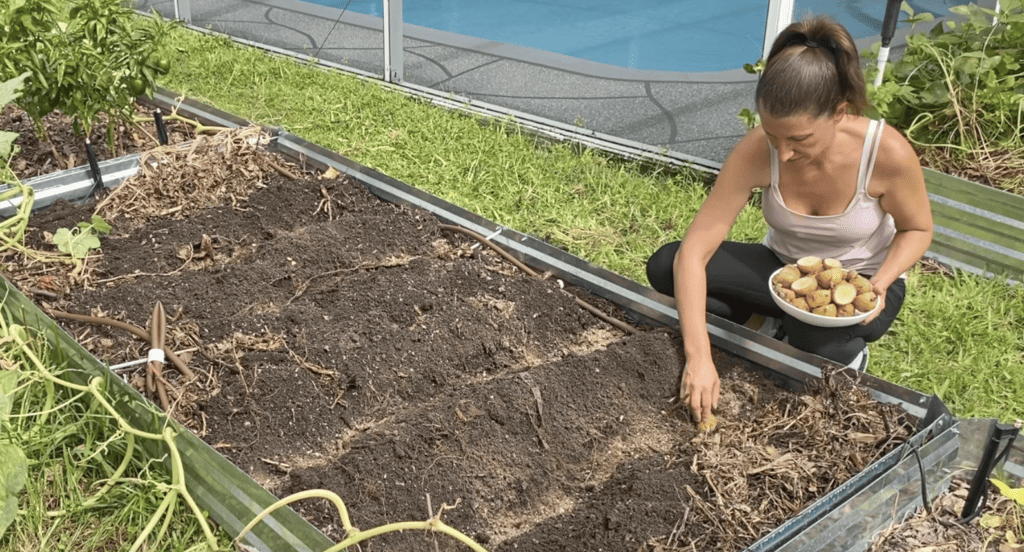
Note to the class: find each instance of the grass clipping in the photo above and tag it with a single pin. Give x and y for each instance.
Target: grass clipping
(180, 179)
(761, 472)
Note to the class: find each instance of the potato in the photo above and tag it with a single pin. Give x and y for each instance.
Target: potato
(785, 293)
(830, 277)
(851, 275)
(809, 265)
(846, 310)
(786, 276)
(843, 293)
(825, 310)
(800, 303)
(862, 284)
(818, 298)
(804, 285)
(831, 263)
(865, 302)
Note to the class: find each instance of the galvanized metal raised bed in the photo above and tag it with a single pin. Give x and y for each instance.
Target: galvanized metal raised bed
(843, 520)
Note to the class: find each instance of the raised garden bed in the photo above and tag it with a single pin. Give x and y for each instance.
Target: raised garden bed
(348, 343)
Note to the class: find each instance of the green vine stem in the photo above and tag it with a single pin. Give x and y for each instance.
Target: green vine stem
(178, 486)
(168, 436)
(199, 127)
(355, 536)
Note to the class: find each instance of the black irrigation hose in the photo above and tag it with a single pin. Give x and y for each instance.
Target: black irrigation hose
(924, 485)
(518, 264)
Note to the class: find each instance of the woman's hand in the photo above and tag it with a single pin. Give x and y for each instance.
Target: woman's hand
(879, 290)
(700, 388)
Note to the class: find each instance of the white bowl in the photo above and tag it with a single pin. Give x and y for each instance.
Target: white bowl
(816, 319)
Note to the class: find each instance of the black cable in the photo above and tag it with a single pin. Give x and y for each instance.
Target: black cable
(924, 483)
(336, 21)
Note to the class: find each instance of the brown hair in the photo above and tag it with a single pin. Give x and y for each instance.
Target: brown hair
(813, 67)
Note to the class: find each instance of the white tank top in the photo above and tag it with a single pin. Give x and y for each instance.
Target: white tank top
(859, 237)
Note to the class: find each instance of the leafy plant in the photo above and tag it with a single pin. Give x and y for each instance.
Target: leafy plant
(958, 91)
(13, 464)
(749, 116)
(95, 58)
(82, 239)
(9, 91)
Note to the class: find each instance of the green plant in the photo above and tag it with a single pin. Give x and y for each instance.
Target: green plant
(74, 429)
(1006, 525)
(84, 57)
(958, 91)
(749, 116)
(82, 239)
(9, 91)
(13, 464)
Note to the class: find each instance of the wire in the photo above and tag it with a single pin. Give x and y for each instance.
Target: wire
(336, 21)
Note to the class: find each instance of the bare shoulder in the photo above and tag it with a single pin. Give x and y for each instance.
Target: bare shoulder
(748, 164)
(896, 157)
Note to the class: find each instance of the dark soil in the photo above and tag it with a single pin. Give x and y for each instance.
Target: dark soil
(37, 157)
(355, 346)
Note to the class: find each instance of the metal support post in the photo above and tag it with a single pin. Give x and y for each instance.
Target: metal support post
(780, 15)
(394, 69)
(183, 10)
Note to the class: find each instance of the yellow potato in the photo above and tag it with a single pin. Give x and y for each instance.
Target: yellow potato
(809, 265)
(829, 277)
(786, 276)
(851, 275)
(846, 310)
(831, 263)
(862, 284)
(804, 285)
(800, 303)
(818, 298)
(825, 310)
(843, 293)
(785, 293)
(865, 302)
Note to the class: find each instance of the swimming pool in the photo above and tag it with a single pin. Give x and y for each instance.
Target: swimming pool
(660, 35)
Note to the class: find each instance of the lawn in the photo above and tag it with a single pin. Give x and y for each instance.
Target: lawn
(960, 336)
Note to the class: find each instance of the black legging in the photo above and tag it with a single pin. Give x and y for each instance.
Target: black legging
(737, 276)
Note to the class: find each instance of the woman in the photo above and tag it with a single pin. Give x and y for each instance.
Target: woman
(835, 184)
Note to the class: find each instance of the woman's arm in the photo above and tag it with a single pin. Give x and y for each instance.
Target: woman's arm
(745, 169)
(905, 197)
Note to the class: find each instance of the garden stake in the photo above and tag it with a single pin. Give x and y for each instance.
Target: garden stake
(892, 12)
(97, 178)
(138, 332)
(161, 131)
(154, 372)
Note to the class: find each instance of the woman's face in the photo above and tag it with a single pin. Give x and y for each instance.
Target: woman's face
(800, 139)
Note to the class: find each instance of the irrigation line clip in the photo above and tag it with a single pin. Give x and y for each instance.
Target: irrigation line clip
(489, 238)
(128, 364)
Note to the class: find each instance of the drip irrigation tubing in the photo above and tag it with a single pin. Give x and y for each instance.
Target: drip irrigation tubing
(135, 330)
(519, 264)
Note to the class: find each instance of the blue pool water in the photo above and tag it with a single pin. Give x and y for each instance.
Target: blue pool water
(661, 35)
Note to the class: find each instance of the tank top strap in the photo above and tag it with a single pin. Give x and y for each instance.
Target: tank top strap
(869, 154)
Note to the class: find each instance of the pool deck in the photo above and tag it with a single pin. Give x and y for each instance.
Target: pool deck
(693, 115)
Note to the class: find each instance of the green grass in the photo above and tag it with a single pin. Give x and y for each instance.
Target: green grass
(959, 337)
(80, 494)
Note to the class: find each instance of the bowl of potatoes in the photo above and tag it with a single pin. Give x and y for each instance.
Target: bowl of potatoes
(823, 293)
